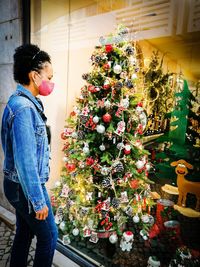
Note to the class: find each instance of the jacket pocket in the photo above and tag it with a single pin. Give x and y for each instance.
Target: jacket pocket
(40, 133)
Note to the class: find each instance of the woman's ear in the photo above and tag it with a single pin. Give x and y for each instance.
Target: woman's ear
(33, 77)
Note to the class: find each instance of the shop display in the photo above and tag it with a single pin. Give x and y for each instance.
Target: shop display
(104, 197)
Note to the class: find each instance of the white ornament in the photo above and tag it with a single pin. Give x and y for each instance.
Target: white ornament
(94, 237)
(100, 128)
(139, 164)
(136, 219)
(89, 196)
(139, 109)
(148, 166)
(104, 170)
(132, 61)
(120, 145)
(65, 191)
(145, 218)
(62, 226)
(134, 76)
(66, 240)
(107, 104)
(124, 197)
(120, 128)
(127, 241)
(57, 183)
(127, 147)
(65, 159)
(124, 103)
(144, 234)
(153, 262)
(102, 147)
(86, 150)
(117, 69)
(113, 238)
(74, 135)
(95, 119)
(58, 219)
(75, 231)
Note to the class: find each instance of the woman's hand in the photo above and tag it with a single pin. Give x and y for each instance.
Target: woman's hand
(42, 214)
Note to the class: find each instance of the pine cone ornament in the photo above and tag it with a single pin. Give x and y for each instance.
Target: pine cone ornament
(129, 84)
(118, 85)
(86, 76)
(118, 166)
(129, 50)
(83, 118)
(115, 203)
(81, 135)
(106, 182)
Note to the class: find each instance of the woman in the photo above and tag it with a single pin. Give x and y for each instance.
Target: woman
(26, 163)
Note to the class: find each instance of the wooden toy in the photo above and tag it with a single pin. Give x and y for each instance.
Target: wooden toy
(185, 186)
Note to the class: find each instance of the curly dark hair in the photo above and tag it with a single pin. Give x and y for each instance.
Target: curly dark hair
(28, 57)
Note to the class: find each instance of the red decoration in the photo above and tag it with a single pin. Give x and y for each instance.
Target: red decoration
(139, 104)
(93, 89)
(107, 117)
(63, 136)
(154, 231)
(134, 184)
(53, 201)
(108, 48)
(127, 149)
(66, 146)
(70, 167)
(163, 206)
(106, 66)
(90, 123)
(89, 161)
(106, 86)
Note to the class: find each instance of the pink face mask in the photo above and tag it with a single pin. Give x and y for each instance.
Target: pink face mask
(46, 88)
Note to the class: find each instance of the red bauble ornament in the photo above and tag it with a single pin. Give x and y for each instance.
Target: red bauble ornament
(134, 184)
(107, 117)
(70, 167)
(106, 66)
(127, 149)
(63, 136)
(108, 48)
(89, 161)
(106, 86)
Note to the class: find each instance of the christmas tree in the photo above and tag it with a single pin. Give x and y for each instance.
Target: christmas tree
(104, 184)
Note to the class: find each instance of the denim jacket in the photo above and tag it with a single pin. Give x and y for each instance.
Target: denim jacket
(25, 145)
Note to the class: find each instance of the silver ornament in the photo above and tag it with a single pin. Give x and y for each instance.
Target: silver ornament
(136, 219)
(86, 150)
(95, 119)
(107, 104)
(145, 218)
(113, 238)
(139, 164)
(75, 231)
(100, 128)
(102, 147)
(120, 146)
(117, 69)
(74, 135)
(62, 226)
(104, 170)
(134, 76)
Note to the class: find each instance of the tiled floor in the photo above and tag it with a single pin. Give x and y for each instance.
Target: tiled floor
(6, 239)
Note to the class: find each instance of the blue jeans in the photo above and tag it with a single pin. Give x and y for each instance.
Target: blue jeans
(27, 226)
